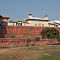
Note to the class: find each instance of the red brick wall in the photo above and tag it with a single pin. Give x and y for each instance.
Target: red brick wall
(21, 31)
(17, 42)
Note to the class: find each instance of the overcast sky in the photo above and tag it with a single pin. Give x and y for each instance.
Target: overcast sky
(18, 9)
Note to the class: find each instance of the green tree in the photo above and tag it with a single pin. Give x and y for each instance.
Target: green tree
(50, 33)
(44, 32)
(59, 39)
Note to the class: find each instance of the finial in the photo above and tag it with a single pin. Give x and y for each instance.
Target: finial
(29, 13)
(46, 15)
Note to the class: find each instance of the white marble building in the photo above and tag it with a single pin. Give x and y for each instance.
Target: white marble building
(55, 23)
(31, 21)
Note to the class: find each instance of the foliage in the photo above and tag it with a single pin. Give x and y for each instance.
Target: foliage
(33, 44)
(37, 39)
(28, 40)
(44, 32)
(50, 33)
(59, 39)
(27, 45)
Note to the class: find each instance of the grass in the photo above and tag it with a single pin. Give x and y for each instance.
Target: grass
(52, 57)
(36, 52)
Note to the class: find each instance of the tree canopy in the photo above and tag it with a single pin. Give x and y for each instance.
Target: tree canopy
(50, 33)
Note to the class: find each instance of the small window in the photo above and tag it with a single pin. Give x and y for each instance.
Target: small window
(19, 24)
(35, 24)
(39, 24)
(42, 24)
(24, 24)
(3, 23)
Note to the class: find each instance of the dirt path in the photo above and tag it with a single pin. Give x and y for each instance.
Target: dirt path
(4, 50)
(7, 50)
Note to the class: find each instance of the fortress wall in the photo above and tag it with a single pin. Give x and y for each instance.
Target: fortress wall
(21, 31)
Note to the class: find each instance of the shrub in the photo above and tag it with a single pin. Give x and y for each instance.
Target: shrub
(28, 40)
(33, 44)
(37, 39)
(27, 45)
(58, 39)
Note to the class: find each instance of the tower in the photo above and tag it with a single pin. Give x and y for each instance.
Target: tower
(4, 20)
(3, 24)
(29, 15)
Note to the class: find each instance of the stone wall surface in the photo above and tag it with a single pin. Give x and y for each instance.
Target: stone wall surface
(21, 32)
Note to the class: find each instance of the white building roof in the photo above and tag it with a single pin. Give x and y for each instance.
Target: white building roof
(56, 21)
(38, 18)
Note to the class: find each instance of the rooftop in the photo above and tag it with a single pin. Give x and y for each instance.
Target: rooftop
(4, 17)
(37, 18)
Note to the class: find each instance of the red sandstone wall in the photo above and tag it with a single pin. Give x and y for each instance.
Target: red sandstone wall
(17, 42)
(21, 31)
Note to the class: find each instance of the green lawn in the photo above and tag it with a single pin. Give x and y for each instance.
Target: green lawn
(52, 57)
(40, 52)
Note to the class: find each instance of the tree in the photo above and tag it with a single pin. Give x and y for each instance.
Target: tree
(59, 39)
(44, 32)
(50, 33)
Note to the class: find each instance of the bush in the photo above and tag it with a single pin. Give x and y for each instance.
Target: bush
(28, 40)
(37, 39)
(27, 45)
(58, 39)
(33, 44)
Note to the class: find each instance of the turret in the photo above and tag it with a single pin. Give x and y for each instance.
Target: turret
(29, 15)
(4, 20)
